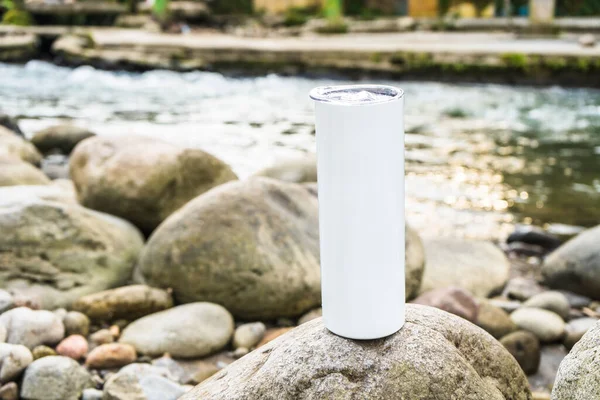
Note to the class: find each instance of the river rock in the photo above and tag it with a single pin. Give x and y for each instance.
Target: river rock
(521, 288)
(551, 301)
(187, 331)
(76, 323)
(53, 378)
(454, 300)
(70, 251)
(42, 351)
(435, 355)
(10, 123)
(272, 334)
(494, 320)
(12, 145)
(143, 381)
(111, 355)
(10, 391)
(6, 301)
(309, 316)
(578, 376)
(92, 394)
(525, 348)
(546, 325)
(159, 388)
(102, 336)
(60, 138)
(534, 235)
(128, 302)
(575, 265)
(74, 346)
(477, 266)
(56, 191)
(111, 174)
(295, 170)
(123, 387)
(260, 235)
(32, 328)
(248, 335)
(14, 171)
(575, 330)
(14, 358)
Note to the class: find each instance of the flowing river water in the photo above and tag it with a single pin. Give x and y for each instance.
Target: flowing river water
(479, 158)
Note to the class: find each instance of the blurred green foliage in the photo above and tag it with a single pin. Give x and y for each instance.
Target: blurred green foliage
(17, 17)
(231, 6)
(579, 8)
(296, 16)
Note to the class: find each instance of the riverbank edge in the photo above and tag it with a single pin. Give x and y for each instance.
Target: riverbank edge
(80, 47)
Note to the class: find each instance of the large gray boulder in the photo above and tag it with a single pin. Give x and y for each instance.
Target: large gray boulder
(187, 331)
(477, 266)
(436, 355)
(12, 145)
(60, 138)
(575, 266)
(251, 246)
(55, 378)
(57, 252)
(141, 179)
(579, 373)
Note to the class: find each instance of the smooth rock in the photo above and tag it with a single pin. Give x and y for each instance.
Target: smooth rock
(309, 316)
(159, 388)
(32, 328)
(186, 331)
(454, 300)
(14, 358)
(176, 371)
(576, 300)
(123, 387)
(551, 301)
(76, 323)
(295, 170)
(74, 346)
(240, 352)
(575, 266)
(111, 355)
(12, 145)
(273, 334)
(260, 235)
(494, 320)
(575, 329)
(92, 394)
(42, 351)
(507, 305)
(112, 175)
(521, 289)
(477, 266)
(6, 301)
(61, 138)
(578, 376)
(70, 251)
(546, 325)
(54, 378)
(248, 335)
(525, 348)
(14, 172)
(10, 123)
(103, 336)
(435, 355)
(534, 235)
(130, 302)
(57, 191)
(10, 391)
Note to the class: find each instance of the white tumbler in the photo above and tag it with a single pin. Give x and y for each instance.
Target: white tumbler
(360, 154)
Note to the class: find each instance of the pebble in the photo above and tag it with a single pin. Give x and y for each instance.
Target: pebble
(535, 236)
(76, 323)
(240, 352)
(273, 334)
(309, 316)
(576, 300)
(103, 336)
(176, 371)
(74, 346)
(546, 325)
(454, 300)
(575, 330)
(115, 331)
(551, 301)
(248, 335)
(494, 320)
(525, 348)
(10, 391)
(42, 351)
(111, 355)
(54, 377)
(6, 301)
(521, 289)
(14, 358)
(92, 394)
(160, 388)
(32, 328)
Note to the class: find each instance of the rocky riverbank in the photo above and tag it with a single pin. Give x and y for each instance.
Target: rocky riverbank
(145, 269)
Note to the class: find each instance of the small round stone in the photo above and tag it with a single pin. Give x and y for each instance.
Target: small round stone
(74, 346)
(240, 352)
(111, 355)
(103, 336)
(551, 301)
(76, 323)
(42, 351)
(575, 330)
(248, 335)
(525, 348)
(546, 325)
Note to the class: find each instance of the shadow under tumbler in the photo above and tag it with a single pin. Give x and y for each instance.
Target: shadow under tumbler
(360, 154)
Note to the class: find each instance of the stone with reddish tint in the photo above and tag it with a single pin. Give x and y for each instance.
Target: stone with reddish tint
(454, 300)
(74, 346)
(111, 355)
(273, 334)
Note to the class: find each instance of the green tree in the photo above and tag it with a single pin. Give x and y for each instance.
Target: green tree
(333, 10)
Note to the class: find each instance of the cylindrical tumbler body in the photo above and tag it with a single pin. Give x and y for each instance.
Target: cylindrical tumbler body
(360, 153)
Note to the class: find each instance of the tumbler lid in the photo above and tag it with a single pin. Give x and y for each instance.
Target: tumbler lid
(355, 95)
